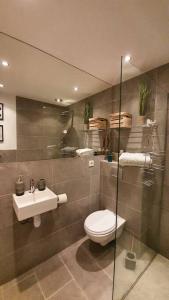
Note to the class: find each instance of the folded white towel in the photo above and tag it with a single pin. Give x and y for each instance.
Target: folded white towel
(135, 159)
(68, 149)
(85, 151)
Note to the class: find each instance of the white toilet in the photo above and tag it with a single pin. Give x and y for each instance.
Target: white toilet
(100, 226)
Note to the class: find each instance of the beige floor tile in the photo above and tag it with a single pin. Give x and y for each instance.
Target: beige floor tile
(154, 284)
(52, 275)
(90, 277)
(91, 266)
(125, 278)
(71, 292)
(25, 290)
(18, 279)
(104, 256)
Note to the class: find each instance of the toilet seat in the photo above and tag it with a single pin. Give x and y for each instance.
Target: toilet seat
(101, 222)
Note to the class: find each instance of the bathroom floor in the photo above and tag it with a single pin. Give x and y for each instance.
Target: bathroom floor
(85, 271)
(153, 285)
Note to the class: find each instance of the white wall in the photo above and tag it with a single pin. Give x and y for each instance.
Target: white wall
(9, 123)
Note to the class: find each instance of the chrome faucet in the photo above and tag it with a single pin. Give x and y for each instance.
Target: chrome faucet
(32, 186)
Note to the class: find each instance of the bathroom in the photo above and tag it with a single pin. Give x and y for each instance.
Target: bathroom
(84, 131)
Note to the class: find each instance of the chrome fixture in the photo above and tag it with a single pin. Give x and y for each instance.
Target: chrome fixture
(32, 186)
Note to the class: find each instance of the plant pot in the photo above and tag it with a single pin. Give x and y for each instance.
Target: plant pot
(140, 120)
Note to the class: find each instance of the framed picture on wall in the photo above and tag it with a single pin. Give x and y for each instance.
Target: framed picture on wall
(1, 111)
(1, 133)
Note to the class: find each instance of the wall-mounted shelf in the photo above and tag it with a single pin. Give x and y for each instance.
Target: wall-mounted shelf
(93, 130)
(121, 127)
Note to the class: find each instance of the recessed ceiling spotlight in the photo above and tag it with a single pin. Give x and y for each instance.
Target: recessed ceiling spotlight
(76, 88)
(5, 63)
(127, 58)
(1, 85)
(58, 100)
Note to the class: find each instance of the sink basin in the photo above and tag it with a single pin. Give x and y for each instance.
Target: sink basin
(33, 204)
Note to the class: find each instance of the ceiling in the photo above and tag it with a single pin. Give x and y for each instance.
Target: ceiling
(92, 35)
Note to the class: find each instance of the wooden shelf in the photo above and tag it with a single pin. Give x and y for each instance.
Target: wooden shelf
(121, 127)
(124, 118)
(93, 130)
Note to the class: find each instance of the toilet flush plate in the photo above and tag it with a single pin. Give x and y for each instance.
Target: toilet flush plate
(32, 204)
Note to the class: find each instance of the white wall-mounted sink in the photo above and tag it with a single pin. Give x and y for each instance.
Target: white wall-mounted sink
(33, 204)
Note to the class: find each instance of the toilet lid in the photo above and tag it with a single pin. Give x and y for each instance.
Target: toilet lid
(101, 222)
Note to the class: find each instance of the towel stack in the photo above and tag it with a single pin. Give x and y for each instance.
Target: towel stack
(97, 123)
(124, 118)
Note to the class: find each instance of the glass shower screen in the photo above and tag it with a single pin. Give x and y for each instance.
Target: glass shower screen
(140, 141)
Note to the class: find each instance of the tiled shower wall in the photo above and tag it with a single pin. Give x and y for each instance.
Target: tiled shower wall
(144, 207)
(164, 205)
(132, 199)
(21, 245)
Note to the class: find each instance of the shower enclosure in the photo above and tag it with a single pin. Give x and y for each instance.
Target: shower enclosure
(140, 189)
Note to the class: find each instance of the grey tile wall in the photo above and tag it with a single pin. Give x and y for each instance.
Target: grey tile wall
(132, 199)
(164, 205)
(23, 246)
(39, 126)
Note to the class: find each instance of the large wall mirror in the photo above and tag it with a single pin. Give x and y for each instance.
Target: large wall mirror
(37, 94)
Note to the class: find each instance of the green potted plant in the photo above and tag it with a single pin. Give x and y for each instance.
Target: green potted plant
(144, 93)
(88, 113)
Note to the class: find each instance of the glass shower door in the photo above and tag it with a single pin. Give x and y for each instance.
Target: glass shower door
(140, 178)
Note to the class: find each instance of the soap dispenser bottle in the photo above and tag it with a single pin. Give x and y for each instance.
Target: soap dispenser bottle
(19, 186)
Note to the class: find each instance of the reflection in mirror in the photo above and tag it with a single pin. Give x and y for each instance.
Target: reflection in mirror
(45, 104)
